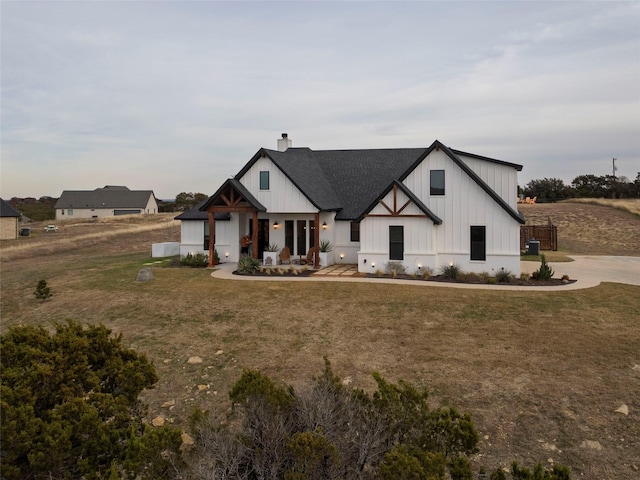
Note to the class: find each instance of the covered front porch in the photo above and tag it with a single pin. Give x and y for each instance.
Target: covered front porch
(267, 232)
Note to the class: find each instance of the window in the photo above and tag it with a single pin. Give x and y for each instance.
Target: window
(264, 180)
(288, 234)
(302, 237)
(70, 211)
(206, 236)
(396, 243)
(355, 232)
(437, 182)
(478, 243)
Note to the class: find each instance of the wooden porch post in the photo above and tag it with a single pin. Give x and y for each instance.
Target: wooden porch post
(212, 234)
(316, 239)
(254, 249)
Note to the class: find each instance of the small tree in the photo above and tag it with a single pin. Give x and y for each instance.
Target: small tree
(42, 291)
(545, 272)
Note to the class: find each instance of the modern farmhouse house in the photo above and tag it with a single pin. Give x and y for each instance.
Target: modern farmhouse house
(109, 201)
(424, 207)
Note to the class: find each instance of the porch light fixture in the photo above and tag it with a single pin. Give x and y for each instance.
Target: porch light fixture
(226, 254)
(324, 225)
(373, 264)
(342, 256)
(276, 225)
(419, 266)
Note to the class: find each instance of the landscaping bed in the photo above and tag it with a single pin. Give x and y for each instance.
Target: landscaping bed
(480, 280)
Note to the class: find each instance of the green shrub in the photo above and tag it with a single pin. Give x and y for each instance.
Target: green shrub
(195, 260)
(272, 247)
(42, 291)
(248, 265)
(325, 246)
(503, 275)
(333, 431)
(451, 271)
(87, 422)
(545, 272)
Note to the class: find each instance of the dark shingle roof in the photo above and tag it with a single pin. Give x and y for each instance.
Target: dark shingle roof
(7, 210)
(107, 197)
(349, 181)
(234, 184)
(195, 213)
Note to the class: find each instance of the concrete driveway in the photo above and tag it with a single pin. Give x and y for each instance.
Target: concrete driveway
(592, 270)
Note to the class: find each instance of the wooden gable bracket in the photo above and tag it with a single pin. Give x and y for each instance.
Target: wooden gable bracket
(231, 200)
(395, 212)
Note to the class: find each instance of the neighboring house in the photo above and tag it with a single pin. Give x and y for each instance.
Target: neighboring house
(105, 202)
(424, 207)
(9, 218)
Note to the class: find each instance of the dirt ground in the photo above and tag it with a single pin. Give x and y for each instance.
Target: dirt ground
(542, 374)
(585, 229)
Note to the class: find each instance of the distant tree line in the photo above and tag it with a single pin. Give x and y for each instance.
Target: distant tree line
(37, 209)
(583, 186)
(184, 201)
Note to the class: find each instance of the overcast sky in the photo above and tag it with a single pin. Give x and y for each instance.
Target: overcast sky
(178, 96)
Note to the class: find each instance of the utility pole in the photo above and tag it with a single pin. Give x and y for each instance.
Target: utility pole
(613, 189)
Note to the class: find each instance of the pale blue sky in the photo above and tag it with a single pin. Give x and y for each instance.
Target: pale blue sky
(177, 96)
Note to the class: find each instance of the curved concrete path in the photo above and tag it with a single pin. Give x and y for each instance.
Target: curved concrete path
(589, 271)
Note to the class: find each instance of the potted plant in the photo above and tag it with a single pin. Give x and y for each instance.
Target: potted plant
(325, 248)
(270, 255)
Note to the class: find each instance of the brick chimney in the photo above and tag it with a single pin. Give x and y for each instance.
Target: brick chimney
(284, 143)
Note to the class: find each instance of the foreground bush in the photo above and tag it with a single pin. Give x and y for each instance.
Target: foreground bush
(331, 431)
(70, 408)
(195, 260)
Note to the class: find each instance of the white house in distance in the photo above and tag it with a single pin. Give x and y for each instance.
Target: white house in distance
(105, 202)
(424, 207)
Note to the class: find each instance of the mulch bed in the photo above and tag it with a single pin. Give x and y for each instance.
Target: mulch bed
(514, 281)
(433, 278)
(274, 273)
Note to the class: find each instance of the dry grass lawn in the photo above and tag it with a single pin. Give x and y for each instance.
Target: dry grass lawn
(542, 373)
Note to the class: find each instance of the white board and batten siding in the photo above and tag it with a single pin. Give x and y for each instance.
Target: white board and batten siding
(501, 178)
(192, 238)
(419, 236)
(463, 205)
(283, 196)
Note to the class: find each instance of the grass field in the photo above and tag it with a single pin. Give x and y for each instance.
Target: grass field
(541, 373)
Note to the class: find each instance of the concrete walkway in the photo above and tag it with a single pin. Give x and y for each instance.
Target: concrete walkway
(589, 271)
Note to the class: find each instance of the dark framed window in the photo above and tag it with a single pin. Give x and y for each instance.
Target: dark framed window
(288, 234)
(302, 237)
(437, 182)
(206, 236)
(396, 242)
(478, 242)
(264, 180)
(355, 231)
